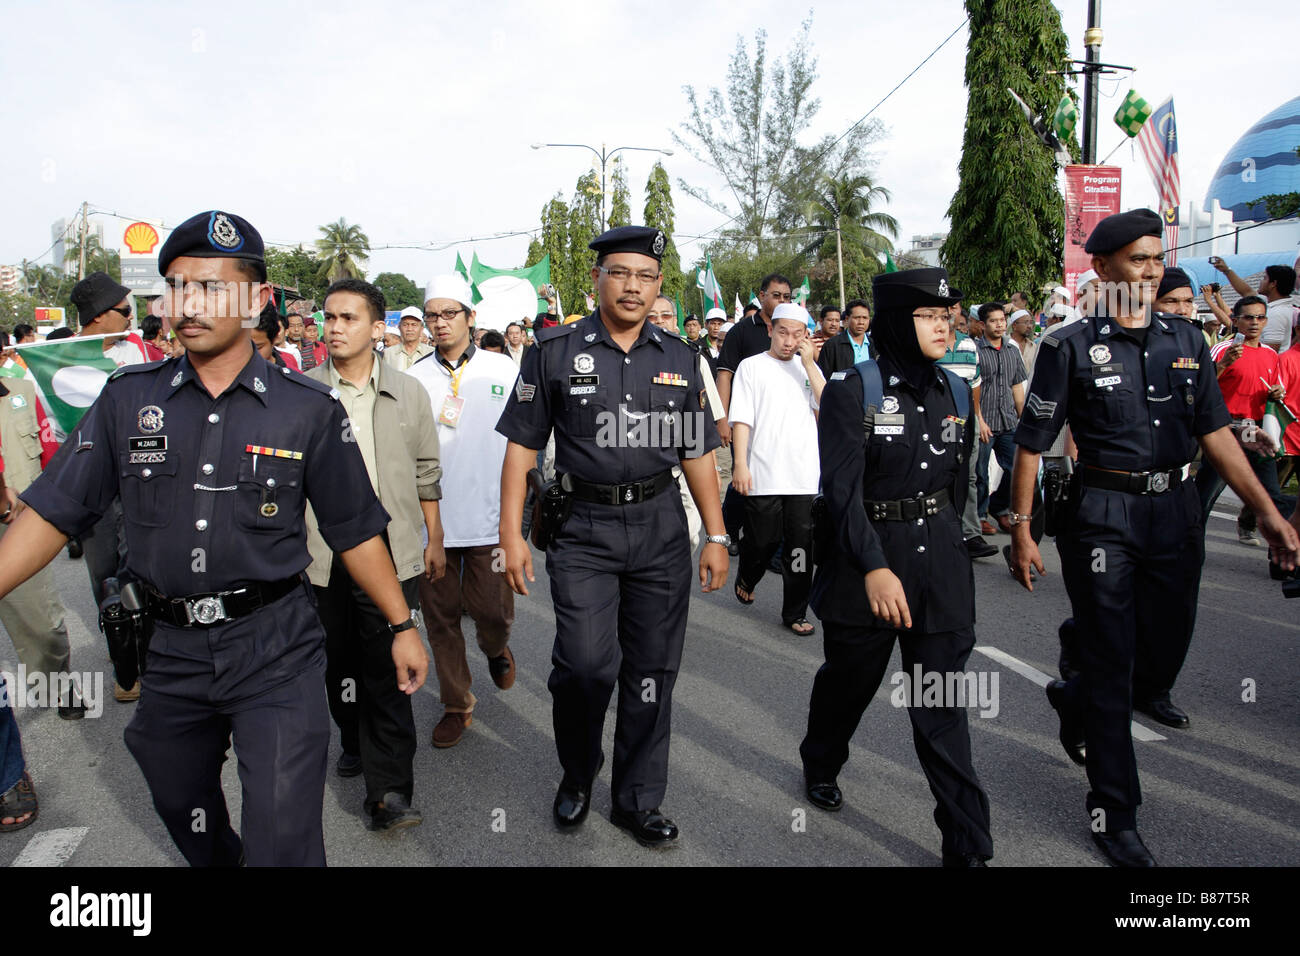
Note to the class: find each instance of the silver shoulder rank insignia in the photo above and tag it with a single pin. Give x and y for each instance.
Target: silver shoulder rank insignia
(584, 364)
(1040, 408)
(657, 247)
(176, 379)
(590, 337)
(655, 336)
(258, 385)
(150, 419)
(893, 380)
(839, 376)
(524, 392)
(284, 370)
(1105, 329)
(1100, 354)
(334, 394)
(889, 405)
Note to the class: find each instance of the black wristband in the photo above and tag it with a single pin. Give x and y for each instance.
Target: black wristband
(406, 625)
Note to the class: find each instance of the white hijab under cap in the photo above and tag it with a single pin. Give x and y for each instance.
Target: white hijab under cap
(450, 287)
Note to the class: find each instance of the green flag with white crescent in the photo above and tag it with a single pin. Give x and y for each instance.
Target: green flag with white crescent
(1277, 419)
(538, 274)
(70, 373)
(890, 265)
(801, 294)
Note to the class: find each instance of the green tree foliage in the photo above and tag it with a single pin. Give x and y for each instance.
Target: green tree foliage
(16, 308)
(98, 259)
(554, 241)
(1281, 205)
(343, 250)
(620, 203)
(584, 226)
(659, 214)
(1007, 217)
(296, 269)
(750, 137)
(846, 202)
(399, 291)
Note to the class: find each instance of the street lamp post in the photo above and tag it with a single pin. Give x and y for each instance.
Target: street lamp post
(604, 156)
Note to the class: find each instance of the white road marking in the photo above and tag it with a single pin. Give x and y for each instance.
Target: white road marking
(1042, 680)
(1220, 514)
(51, 848)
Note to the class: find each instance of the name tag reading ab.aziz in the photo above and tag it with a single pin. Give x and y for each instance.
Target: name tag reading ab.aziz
(452, 406)
(888, 424)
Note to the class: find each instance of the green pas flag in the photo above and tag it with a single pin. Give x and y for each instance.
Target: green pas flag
(1277, 419)
(1065, 118)
(1132, 113)
(681, 314)
(890, 265)
(708, 286)
(70, 373)
(460, 267)
(802, 293)
(537, 275)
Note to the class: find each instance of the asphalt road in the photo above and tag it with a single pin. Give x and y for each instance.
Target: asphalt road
(1225, 792)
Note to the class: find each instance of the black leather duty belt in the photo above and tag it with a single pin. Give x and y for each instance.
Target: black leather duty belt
(1133, 482)
(209, 610)
(627, 494)
(908, 509)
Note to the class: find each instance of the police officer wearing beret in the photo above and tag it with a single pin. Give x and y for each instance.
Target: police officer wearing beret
(1139, 393)
(626, 402)
(898, 566)
(215, 454)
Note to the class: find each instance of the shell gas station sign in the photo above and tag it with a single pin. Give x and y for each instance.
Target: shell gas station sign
(140, 267)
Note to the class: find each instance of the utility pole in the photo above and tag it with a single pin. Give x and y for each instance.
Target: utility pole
(1092, 67)
(81, 268)
(839, 257)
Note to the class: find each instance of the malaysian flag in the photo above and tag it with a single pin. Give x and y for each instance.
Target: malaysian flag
(1158, 140)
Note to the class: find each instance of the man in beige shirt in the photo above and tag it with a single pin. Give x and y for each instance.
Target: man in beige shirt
(413, 348)
(390, 419)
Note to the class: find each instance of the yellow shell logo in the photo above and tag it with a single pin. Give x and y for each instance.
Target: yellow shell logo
(140, 238)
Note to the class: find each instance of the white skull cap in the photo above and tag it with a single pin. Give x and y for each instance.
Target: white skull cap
(449, 287)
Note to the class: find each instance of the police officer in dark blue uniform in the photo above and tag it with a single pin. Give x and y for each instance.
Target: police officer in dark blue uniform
(628, 408)
(1139, 392)
(897, 566)
(215, 455)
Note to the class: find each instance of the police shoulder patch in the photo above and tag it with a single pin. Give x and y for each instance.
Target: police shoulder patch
(312, 384)
(554, 332)
(1059, 333)
(136, 369)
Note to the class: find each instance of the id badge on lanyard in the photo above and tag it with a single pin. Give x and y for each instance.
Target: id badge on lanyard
(453, 406)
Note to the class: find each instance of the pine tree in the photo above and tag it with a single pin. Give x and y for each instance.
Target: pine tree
(1007, 214)
(584, 226)
(659, 215)
(620, 203)
(554, 241)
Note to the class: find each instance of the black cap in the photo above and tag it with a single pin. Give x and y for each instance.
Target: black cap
(95, 295)
(1117, 231)
(1174, 278)
(639, 239)
(213, 235)
(912, 289)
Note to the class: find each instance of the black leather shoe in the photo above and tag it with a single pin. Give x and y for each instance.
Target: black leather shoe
(1071, 726)
(73, 711)
(1165, 712)
(349, 765)
(650, 827)
(825, 795)
(394, 813)
(1124, 848)
(572, 801)
(977, 547)
(962, 860)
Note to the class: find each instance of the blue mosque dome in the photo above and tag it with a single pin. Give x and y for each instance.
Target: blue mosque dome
(1266, 154)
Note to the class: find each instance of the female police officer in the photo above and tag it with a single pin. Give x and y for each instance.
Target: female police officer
(897, 566)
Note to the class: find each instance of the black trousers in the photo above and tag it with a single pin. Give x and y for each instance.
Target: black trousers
(374, 717)
(257, 679)
(620, 587)
(1132, 569)
(856, 659)
(771, 520)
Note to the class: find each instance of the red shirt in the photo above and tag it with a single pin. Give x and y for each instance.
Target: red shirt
(1243, 390)
(1288, 366)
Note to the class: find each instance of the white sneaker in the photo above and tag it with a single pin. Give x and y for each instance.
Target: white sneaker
(1248, 537)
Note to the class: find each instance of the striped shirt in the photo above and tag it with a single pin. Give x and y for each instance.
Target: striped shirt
(963, 358)
(1000, 370)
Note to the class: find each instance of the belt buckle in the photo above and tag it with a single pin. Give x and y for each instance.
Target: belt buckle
(629, 494)
(208, 610)
(1159, 482)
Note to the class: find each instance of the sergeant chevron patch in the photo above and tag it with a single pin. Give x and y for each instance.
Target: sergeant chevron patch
(1040, 408)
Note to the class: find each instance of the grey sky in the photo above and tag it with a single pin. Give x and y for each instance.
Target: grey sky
(414, 119)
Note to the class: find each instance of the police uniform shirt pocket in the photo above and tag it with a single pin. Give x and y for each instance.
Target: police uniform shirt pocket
(269, 495)
(148, 488)
(582, 407)
(1182, 388)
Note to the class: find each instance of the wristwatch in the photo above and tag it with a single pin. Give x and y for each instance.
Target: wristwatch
(406, 625)
(1014, 519)
(722, 539)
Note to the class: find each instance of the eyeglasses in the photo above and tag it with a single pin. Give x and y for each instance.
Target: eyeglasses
(446, 315)
(661, 315)
(619, 274)
(780, 296)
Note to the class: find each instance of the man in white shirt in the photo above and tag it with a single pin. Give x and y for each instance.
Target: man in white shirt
(410, 324)
(774, 401)
(516, 343)
(468, 388)
(1276, 287)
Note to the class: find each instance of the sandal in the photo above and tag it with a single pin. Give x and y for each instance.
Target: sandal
(747, 591)
(18, 801)
(803, 622)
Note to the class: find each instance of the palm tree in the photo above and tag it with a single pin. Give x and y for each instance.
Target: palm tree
(841, 208)
(342, 249)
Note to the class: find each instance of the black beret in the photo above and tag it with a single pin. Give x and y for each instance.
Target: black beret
(912, 289)
(1117, 231)
(639, 239)
(1174, 278)
(95, 295)
(213, 235)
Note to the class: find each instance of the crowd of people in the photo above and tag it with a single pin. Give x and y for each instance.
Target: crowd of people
(362, 460)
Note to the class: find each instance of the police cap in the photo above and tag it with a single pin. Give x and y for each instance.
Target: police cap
(1117, 231)
(213, 235)
(638, 239)
(912, 289)
(1174, 278)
